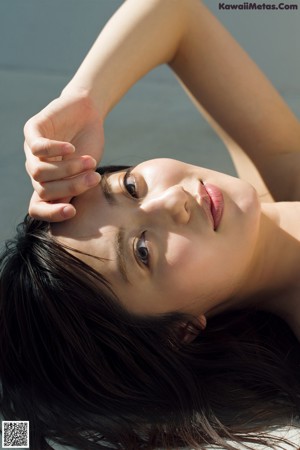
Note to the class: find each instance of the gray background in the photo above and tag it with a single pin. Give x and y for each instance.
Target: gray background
(43, 42)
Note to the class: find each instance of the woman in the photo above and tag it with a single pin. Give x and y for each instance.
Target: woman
(146, 313)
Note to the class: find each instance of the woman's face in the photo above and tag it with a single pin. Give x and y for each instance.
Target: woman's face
(165, 250)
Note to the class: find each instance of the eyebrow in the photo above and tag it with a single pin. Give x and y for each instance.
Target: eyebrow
(106, 188)
(120, 252)
(119, 240)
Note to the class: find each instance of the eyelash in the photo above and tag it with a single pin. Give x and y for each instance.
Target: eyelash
(141, 258)
(142, 238)
(127, 176)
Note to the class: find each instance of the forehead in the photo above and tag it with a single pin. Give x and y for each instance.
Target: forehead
(92, 213)
(97, 229)
(93, 228)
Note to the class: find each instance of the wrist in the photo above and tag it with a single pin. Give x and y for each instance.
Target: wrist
(86, 98)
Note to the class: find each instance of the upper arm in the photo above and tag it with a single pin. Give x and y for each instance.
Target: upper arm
(242, 102)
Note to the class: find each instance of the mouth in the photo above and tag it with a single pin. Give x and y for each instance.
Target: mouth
(212, 202)
(217, 203)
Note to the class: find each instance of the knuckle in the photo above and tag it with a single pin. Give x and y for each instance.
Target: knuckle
(39, 146)
(26, 126)
(35, 145)
(25, 147)
(68, 169)
(42, 193)
(37, 173)
(32, 211)
(51, 216)
(73, 188)
(27, 168)
(35, 185)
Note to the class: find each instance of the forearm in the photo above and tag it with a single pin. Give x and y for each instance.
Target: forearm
(213, 67)
(218, 72)
(140, 36)
(248, 110)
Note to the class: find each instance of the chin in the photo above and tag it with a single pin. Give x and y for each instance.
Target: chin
(252, 202)
(244, 210)
(251, 208)
(246, 197)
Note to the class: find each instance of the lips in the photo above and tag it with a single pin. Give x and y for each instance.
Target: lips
(216, 204)
(212, 202)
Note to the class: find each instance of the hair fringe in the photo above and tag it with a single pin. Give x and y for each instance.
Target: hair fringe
(87, 373)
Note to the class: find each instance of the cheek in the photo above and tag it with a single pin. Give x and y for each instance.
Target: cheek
(183, 263)
(200, 267)
(162, 173)
(189, 274)
(180, 250)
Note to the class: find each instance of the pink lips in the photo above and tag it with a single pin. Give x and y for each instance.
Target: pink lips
(217, 203)
(212, 202)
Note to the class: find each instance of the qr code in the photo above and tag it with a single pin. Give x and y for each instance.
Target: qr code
(15, 434)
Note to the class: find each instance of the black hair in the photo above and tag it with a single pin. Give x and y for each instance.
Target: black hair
(87, 373)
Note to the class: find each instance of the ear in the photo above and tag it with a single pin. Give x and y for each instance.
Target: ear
(188, 331)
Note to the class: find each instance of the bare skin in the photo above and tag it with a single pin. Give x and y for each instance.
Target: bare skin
(259, 130)
(174, 258)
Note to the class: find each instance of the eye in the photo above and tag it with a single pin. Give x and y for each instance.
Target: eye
(130, 184)
(142, 251)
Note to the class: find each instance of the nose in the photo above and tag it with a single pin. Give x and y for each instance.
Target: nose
(174, 202)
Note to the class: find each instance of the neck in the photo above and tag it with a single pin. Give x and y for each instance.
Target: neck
(272, 280)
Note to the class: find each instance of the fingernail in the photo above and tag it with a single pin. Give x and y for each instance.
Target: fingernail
(92, 178)
(68, 148)
(68, 212)
(89, 163)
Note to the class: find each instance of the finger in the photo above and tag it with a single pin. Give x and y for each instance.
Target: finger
(51, 212)
(48, 148)
(36, 141)
(42, 171)
(70, 187)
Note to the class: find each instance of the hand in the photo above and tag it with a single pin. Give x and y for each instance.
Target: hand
(63, 145)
